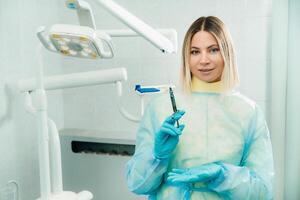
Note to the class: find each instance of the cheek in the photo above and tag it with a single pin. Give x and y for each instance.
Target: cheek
(220, 64)
(220, 71)
(192, 61)
(192, 64)
(192, 70)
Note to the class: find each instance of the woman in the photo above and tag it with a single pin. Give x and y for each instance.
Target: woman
(222, 148)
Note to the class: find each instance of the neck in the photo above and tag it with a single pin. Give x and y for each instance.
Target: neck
(198, 85)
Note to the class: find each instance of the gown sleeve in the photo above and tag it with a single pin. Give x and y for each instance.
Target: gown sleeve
(144, 173)
(252, 179)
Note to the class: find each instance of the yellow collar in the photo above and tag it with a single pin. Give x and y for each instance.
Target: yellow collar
(198, 85)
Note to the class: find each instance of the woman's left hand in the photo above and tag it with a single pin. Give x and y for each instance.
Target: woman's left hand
(204, 173)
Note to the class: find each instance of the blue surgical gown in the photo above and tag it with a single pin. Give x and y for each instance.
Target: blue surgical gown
(227, 128)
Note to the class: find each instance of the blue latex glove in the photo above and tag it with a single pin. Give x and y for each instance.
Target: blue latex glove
(210, 173)
(166, 139)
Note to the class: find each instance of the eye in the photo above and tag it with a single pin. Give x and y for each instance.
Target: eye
(195, 52)
(214, 50)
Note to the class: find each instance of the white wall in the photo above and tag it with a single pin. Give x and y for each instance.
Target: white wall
(18, 144)
(292, 162)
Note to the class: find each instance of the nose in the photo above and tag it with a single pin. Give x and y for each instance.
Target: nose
(204, 58)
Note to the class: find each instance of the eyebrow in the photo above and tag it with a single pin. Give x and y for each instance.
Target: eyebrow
(206, 47)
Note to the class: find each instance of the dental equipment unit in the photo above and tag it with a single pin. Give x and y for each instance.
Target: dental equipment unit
(48, 137)
(158, 38)
(83, 41)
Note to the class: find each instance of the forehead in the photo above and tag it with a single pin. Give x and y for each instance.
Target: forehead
(203, 39)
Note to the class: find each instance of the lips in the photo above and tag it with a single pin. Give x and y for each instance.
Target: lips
(205, 70)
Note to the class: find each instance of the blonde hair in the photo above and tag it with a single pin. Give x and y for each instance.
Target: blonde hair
(217, 28)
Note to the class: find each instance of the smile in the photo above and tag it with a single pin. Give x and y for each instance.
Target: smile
(205, 70)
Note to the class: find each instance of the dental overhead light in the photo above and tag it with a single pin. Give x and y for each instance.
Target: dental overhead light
(77, 41)
(85, 41)
(82, 41)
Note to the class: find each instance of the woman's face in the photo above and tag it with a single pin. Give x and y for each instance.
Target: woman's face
(206, 61)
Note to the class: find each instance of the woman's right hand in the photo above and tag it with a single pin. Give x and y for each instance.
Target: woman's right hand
(166, 139)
